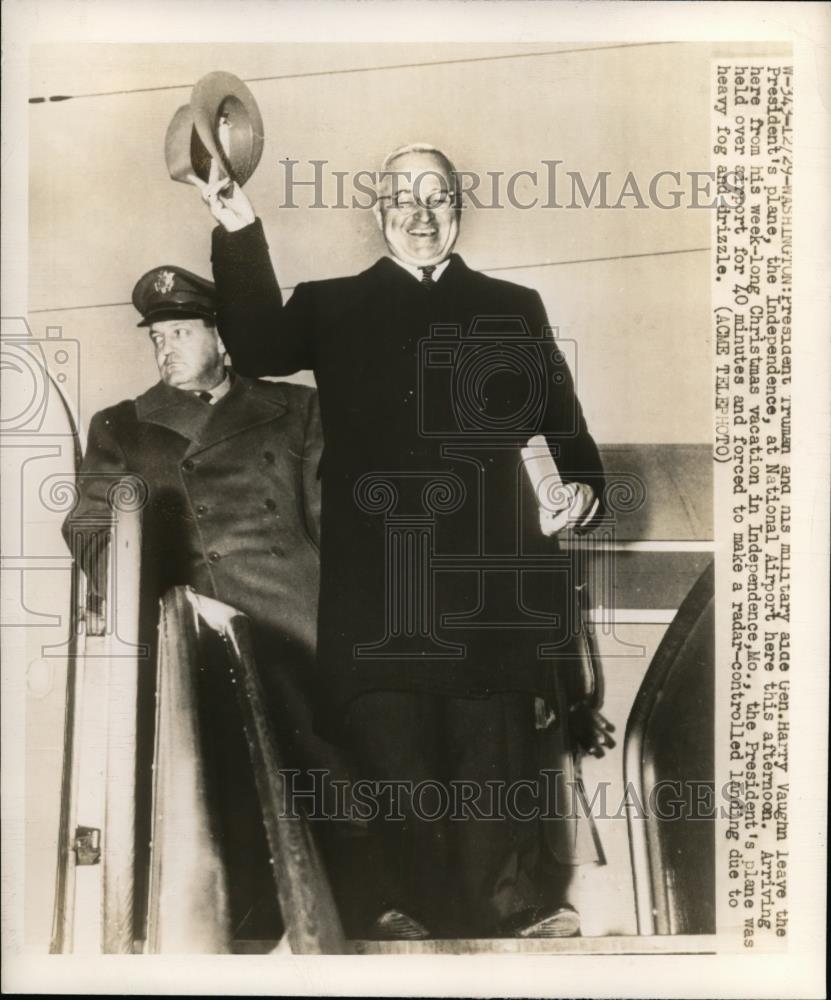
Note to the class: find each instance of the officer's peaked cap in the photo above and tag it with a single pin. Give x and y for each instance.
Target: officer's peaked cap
(171, 292)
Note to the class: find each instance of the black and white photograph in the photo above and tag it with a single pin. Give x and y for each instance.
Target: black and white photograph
(415, 494)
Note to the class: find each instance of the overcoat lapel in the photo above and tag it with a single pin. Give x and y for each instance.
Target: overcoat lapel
(179, 411)
(204, 426)
(245, 406)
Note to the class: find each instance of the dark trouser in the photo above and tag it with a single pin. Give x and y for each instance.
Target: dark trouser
(461, 877)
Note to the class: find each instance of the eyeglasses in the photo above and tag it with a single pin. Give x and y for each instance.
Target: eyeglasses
(406, 201)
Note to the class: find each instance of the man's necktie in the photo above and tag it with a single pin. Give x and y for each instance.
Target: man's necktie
(205, 396)
(427, 275)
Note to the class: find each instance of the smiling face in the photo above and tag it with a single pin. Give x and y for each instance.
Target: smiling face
(416, 209)
(188, 352)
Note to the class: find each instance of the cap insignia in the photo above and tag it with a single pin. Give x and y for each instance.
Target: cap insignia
(164, 282)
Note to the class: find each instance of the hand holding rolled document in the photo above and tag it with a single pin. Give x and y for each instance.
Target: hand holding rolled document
(561, 504)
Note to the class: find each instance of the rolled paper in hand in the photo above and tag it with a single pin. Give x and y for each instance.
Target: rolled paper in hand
(551, 493)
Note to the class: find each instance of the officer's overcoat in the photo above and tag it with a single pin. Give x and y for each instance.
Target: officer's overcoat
(232, 510)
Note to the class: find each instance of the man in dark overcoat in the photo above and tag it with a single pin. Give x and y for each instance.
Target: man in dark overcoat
(444, 610)
(229, 466)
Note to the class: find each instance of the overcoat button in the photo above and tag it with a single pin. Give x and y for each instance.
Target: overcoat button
(187, 465)
(270, 504)
(200, 509)
(268, 456)
(214, 557)
(275, 550)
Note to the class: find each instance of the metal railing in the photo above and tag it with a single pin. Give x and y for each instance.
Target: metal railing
(187, 899)
(188, 909)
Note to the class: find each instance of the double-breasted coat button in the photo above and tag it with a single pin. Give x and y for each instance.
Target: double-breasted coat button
(268, 456)
(214, 557)
(200, 509)
(188, 465)
(270, 504)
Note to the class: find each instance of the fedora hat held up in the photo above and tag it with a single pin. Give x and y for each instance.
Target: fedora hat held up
(221, 126)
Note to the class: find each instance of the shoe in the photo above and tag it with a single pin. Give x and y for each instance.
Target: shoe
(393, 925)
(559, 923)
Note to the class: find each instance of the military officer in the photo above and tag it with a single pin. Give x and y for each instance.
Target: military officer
(230, 469)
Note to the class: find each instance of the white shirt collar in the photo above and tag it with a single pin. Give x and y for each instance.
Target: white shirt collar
(416, 271)
(218, 391)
